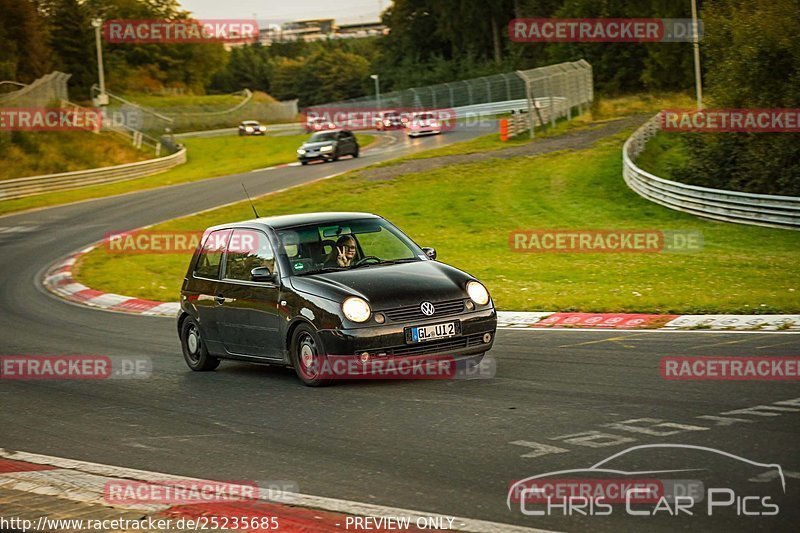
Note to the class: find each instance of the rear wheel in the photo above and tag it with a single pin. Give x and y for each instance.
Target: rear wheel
(355, 154)
(194, 348)
(303, 162)
(308, 356)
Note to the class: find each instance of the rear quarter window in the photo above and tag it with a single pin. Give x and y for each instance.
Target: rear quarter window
(210, 258)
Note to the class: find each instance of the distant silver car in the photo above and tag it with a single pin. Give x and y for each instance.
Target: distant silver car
(251, 127)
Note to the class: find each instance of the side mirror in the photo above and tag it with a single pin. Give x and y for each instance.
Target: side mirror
(261, 274)
(430, 252)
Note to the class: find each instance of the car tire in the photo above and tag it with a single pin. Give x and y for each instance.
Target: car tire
(355, 153)
(303, 162)
(194, 348)
(335, 155)
(307, 354)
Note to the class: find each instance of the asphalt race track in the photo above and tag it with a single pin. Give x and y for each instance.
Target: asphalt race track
(561, 399)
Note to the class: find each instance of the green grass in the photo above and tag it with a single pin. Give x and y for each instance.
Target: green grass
(207, 158)
(603, 110)
(467, 212)
(49, 152)
(663, 154)
(214, 100)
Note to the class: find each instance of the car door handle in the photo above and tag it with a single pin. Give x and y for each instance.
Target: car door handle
(219, 299)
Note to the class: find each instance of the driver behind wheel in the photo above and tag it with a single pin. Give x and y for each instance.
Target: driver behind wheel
(343, 253)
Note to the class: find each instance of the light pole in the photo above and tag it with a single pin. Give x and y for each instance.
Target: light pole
(377, 90)
(102, 98)
(698, 83)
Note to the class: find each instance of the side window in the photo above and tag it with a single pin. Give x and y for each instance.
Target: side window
(247, 250)
(211, 255)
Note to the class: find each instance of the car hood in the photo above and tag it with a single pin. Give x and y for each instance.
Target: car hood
(320, 144)
(388, 286)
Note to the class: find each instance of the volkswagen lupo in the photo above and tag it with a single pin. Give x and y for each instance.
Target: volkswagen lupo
(291, 290)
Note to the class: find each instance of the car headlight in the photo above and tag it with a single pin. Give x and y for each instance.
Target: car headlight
(262, 128)
(301, 151)
(477, 293)
(356, 309)
(248, 129)
(327, 148)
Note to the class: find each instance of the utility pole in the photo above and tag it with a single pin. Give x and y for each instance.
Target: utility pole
(698, 82)
(102, 98)
(377, 90)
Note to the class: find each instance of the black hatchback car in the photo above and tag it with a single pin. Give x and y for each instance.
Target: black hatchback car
(328, 146)
(295, 290)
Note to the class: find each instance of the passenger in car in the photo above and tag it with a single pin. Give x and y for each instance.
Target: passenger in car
(343, 253)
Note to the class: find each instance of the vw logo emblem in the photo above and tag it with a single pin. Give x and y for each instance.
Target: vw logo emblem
(427, 308)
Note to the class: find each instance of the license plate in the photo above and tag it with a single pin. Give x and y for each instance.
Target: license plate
(433, 332)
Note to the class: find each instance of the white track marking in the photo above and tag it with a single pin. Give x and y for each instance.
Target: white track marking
(87, 480)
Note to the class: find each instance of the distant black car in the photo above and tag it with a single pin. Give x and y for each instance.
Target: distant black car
(251, 127)
(265, 291)
(328, 146)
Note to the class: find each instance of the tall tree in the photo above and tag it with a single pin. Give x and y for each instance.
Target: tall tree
(24, 54)
(73, 41)
(751, 58)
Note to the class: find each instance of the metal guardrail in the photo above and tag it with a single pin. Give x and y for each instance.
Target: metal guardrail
(729, 206)
(289, 128)
(22, 187)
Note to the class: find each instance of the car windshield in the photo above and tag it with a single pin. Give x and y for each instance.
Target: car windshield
(361, 243)
(250, 123)
(323, 136)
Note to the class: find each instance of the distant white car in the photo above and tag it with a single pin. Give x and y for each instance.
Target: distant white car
(251, 127)
(424, 123)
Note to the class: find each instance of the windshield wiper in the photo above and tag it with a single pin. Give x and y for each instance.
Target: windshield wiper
(320, 271)
(388, 262)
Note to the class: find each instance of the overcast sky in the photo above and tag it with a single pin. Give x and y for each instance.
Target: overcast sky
(283, 10)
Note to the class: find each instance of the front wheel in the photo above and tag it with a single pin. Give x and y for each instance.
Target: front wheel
(308, 356)
(194, 348)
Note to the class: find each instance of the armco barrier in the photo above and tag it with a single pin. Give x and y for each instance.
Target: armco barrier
(22, 187)
(729, 206)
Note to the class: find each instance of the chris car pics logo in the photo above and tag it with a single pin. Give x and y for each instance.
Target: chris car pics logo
(606, 488)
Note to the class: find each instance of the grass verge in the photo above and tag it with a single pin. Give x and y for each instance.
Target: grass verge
(663, 154)
(207, 158)
(603, 110)
(467, 211)
(50, 152)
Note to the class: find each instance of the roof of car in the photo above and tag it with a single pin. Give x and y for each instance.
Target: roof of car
(250, 122)
(300, 219)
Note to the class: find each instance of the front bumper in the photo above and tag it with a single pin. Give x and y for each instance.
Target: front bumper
(389, 339)
(424, 131)
(317, 156)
